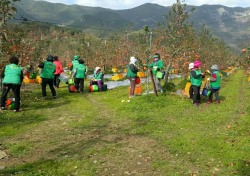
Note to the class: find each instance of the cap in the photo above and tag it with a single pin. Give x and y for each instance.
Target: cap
(50, 58)
(76, 57)
(197, 63)
(215, 67)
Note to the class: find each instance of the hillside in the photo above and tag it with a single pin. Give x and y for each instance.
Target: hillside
(73, 15)
(229, 24)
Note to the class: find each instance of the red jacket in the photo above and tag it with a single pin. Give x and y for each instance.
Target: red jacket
(59, 67)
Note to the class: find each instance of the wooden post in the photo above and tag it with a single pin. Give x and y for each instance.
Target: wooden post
(153, 82)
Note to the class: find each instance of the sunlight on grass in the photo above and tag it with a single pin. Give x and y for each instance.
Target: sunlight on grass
(102, 133)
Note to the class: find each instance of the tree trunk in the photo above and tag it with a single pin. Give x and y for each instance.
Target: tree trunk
(153, 81)
(167, 72)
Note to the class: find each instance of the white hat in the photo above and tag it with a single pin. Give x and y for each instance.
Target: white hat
(97, 68)
(215, 67)
(191, 65)
(133, 60)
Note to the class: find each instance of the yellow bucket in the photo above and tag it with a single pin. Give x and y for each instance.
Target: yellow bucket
(140, 74)
(115, 69)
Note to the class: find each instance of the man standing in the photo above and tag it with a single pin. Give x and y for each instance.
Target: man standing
(59, 70)
(157, 65)
(12, 78)
(47, 75)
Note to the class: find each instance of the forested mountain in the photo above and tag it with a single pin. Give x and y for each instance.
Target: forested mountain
(228, 24)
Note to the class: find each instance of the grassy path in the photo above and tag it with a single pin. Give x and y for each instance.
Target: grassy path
(98, 134)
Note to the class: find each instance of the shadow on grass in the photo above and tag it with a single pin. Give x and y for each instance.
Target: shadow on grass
(204, 99)
(80, 149)
(244, 168)
(21, 120)
(41, 167)
(35, 101)
(16, 124)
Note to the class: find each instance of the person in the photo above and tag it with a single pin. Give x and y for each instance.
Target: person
(59, 70)
(215, 84)
(132, 74)
(157, 65)
(12, 79)
(74, 64)
(191, 92)
(80, 76)
(47, 75)
(98, 78)
(196, 80)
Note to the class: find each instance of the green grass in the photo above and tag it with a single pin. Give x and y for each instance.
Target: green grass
(100, 134)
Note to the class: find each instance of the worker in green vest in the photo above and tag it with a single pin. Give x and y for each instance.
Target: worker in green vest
(191, 92)
(157, 65)
(196, 77)
(215, 84)
(47, 75)
(98, 78)
(74, 64)
(132, 74)
(12, 79)
(80, 76)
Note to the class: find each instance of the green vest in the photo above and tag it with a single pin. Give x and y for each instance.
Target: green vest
(157, 65)
(130, 73)
(98, 77)
(48, 70)
(75, 63)
(216, 84)
(198, 81)
(80, 71)
(12, 74)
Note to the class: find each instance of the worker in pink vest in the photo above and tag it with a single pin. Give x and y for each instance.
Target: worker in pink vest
(59, 70)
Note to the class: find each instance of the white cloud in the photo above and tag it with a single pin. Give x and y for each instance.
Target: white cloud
(127, 4)
(113, 4)
(228, 3)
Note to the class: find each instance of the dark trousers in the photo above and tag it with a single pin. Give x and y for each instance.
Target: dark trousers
(132, 86)
(196, 95)
(191, 92)
(214, 92)
(56, 80)
(79, 83)
(46, 81)
(16, 91)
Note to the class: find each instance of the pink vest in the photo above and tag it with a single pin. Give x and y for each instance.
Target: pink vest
(59, 67)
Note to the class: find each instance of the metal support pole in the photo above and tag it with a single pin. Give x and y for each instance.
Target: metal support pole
(150, 46)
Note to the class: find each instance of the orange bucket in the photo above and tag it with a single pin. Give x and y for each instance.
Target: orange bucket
(8, 102)
(138, 90)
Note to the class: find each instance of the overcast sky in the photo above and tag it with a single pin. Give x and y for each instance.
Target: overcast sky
(127, 4)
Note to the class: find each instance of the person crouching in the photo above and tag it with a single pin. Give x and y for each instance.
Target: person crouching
(98, 78)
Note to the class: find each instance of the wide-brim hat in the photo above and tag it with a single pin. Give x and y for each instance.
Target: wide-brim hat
(97, 68)
(191, 65)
